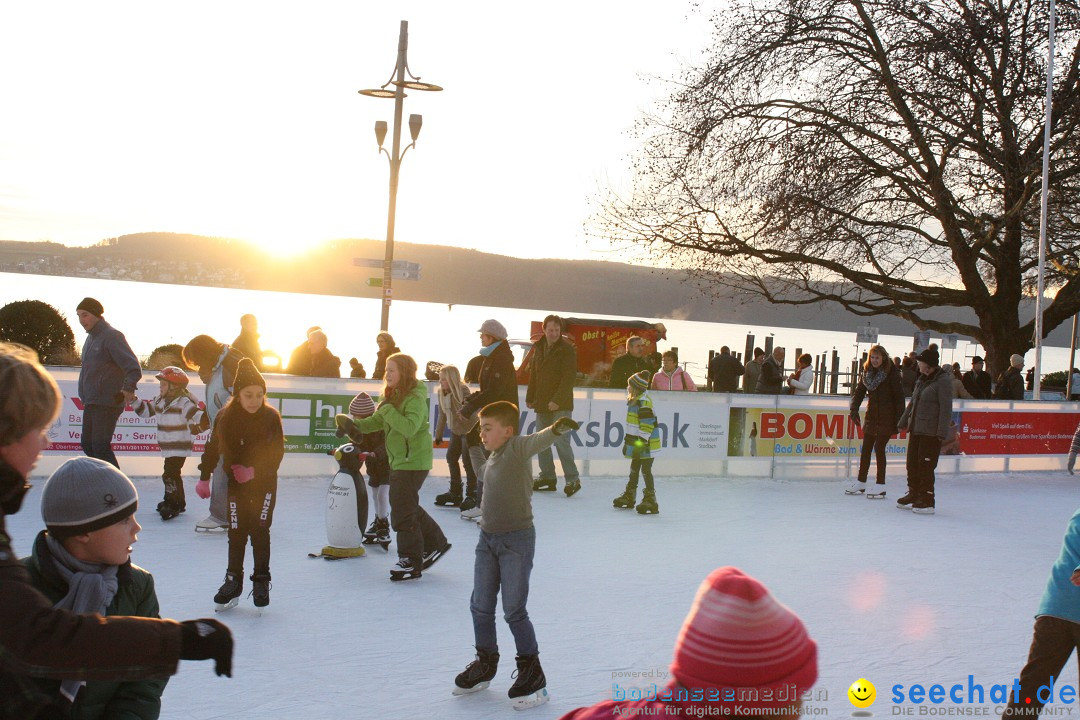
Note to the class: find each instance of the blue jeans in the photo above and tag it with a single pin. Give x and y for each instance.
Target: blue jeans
(562, 446)
(503, 560)
(98, 426)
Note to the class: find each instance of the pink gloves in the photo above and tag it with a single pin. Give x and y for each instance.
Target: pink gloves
(242, 473)
(202, 489)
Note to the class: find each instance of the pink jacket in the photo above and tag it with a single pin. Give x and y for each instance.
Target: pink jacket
(678, 380)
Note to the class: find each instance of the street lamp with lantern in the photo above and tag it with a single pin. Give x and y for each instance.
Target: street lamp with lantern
(400, 83)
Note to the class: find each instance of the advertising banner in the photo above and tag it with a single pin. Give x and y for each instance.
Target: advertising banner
(1015, 433)
(815, 432)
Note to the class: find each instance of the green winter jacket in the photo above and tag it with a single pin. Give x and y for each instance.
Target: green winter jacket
(103, 700)
(408, 432)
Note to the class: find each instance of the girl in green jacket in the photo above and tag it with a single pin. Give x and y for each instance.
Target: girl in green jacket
(403, 415)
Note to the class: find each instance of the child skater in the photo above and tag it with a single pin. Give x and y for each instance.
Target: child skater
(82, 562)
(504, 553)
(642, 442)
(180, 419)
(248, 436)
(378, 469)
(451, 393)
(403, 415)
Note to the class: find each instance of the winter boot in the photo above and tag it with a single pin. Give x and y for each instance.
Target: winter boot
(905, 502)
(229, 591)
(924, 505)
(572, 486)
(530, 686)
(260, 589)
(452, 498)
(477, 675)
(628, 498)
(648, 505)
(544, 485)
(407, 568)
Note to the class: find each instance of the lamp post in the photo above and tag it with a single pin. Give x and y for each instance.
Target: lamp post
(400, 83)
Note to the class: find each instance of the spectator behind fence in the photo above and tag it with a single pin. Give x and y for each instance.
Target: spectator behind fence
(107, 380)
(46, 642)
(977, 381)
(801, 382)
(672, 377)
(724, 372)
(752, 371)
(771, 380)
(318, 361)
(356, 369)
(630, 363)
(1010, 384)
(909, 374)
(247, 342)
(387, 347)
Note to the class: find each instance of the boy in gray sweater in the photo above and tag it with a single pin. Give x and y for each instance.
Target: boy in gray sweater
(504, 553)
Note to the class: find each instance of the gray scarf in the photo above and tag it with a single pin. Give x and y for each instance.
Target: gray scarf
(873, 378)
(91, 587)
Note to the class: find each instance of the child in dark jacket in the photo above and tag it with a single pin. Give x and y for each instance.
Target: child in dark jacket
(248, 435)
(180, 417)
(378, 469)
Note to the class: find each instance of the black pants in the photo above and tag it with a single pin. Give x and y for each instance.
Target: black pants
(455, 452)
(644, 466)
(98, 426)
(922, 457)
(174, 483)
(1053, 643)
(876, 444)
(416, 531)
(251, 513)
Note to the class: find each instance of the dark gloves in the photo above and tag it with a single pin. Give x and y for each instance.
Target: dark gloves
(564, 425)
(345, 425)
(207, 639)
(855, 418)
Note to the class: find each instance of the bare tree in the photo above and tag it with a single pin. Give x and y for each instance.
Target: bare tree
(886, 156)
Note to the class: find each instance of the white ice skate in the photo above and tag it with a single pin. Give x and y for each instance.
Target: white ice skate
(875, 492)
(211, 524)
(855, 488)
(532, 700)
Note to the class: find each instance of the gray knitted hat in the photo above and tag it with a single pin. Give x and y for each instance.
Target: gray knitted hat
(86, 494)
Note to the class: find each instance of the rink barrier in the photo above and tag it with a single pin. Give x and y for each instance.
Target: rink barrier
(703, 434)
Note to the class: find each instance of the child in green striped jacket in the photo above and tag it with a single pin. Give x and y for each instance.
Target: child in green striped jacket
(641, 444)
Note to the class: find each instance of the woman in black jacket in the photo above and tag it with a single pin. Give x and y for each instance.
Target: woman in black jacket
(881, 385)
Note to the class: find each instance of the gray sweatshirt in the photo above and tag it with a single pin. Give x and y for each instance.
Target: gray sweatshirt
(507, 476)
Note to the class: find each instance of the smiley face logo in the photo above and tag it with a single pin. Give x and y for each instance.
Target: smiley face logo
(862, 693)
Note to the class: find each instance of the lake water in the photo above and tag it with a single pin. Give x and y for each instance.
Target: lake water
(152, 314)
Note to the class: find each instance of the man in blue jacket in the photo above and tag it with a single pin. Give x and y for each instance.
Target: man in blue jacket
(110, 371)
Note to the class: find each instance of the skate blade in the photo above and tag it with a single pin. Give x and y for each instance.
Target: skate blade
(648, 512)
(530, 701)
(222, 607)
(469, 691)
(872, 496)
(923, 511)
(212, 531)
(402, 577)
(854, 492)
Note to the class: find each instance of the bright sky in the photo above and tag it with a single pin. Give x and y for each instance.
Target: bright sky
(242, 119)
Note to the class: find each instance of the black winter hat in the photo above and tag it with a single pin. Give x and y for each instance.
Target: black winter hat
(246, 375)
(929, 356)
(91, 306)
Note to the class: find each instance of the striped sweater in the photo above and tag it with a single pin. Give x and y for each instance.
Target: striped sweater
(179, 419)
(642, 431)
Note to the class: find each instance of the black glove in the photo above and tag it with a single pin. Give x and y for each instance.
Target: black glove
(855, 418)
(564, 425)
(206, 639)
(345, 425)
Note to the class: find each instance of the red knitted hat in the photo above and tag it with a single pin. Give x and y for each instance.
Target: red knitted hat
(738, 635)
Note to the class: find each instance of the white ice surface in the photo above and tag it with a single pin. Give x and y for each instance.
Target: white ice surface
(888, 595)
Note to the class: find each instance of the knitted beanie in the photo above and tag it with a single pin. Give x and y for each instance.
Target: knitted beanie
(362, 406)
(738, 636)
(639, 381)
(929, 356)
(246, 375)
(1017, 361)
(86, 494)
(91, 306)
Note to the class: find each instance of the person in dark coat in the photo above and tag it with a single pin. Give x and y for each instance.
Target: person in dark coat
(724, 372)
(357, 370)
(880, 384)
(927, 419)
(752, 371)
(977, 381)
(318, 362)
(107, 379)
(909, 374)
(247, 342)
(387, 347)
(630, 363)
(1010, 385)
(472, 370)
(39, 640)
(551, 394)
(771, 380)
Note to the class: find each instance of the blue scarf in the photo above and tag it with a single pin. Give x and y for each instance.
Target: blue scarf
(486, 351)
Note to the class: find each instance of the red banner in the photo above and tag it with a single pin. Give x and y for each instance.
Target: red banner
(1015, 433)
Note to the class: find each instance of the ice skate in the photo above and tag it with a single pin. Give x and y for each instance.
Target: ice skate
(432, 556)
(378, 533)
(472, 514)
(627, 499)
(477, 675)
(371, 532)
(211, 524)
(451, 498)
(905, 502)
(648, 505)
(168, 510)
(855, 488)
(572, 486)
(924, 505)
(229, 592)
(260, 589)
(468, 503)
(544, 485)
(876, 492)
(406, 569)
(530, 687)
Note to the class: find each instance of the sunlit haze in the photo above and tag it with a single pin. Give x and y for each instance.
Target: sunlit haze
(242, 119)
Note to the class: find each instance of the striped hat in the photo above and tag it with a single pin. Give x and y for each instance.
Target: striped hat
(86, 494)
(639, 381)
(738, 636)
(362, 406)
